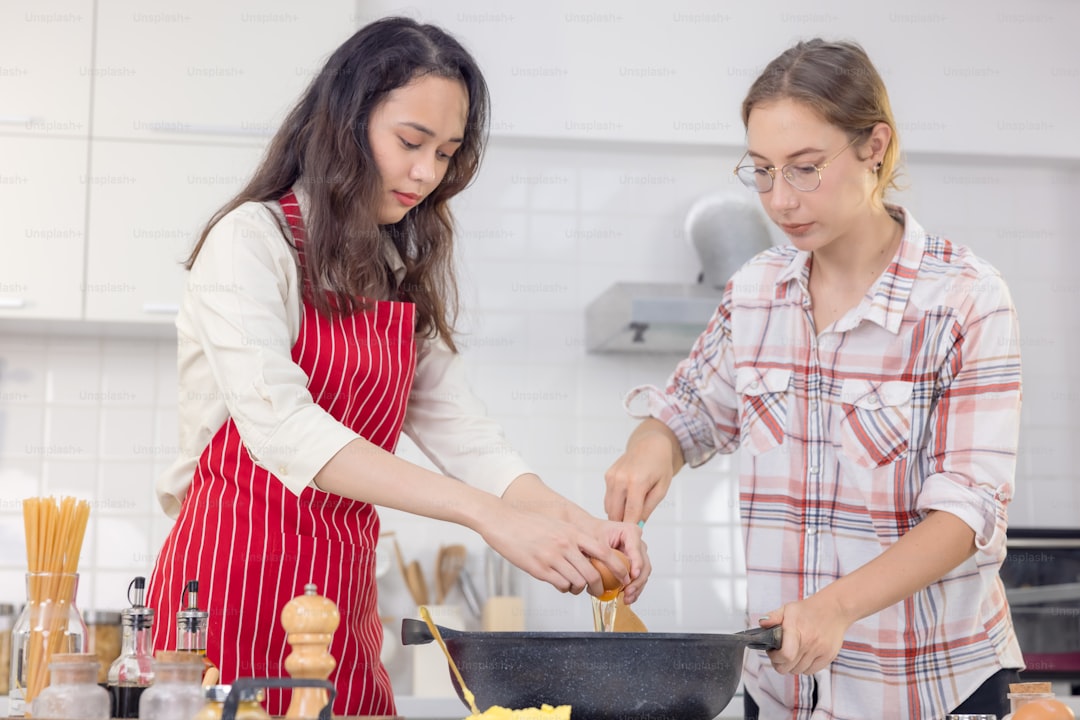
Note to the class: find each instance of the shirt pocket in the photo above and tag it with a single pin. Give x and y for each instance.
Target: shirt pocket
(763, 395)
(876, 424)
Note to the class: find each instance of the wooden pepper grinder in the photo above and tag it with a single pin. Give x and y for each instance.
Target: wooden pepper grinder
(310, 621)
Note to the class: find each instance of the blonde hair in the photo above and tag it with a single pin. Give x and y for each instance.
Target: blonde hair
(838, 81)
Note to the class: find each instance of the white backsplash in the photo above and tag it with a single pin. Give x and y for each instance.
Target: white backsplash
(545, 229)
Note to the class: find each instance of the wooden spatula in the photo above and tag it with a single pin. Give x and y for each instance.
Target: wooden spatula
(450, 561)
(625, 618)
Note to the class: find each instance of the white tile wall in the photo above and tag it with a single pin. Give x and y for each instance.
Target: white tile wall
(546, 228)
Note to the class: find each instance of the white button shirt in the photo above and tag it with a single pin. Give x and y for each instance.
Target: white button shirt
(237, 324)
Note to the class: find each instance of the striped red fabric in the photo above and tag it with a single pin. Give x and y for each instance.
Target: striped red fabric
(253, 545)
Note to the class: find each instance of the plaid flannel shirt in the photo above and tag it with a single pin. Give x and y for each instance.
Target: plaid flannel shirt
(908, 403)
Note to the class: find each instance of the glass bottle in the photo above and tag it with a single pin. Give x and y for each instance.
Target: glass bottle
(105, 634)
(191, 625)
(73, 692)
(7, 621)
(177, 692)
(132, 672)
(49, 623)
(249, 707)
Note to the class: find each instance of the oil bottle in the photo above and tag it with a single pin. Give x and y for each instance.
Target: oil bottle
(191, 625)
(133, 671)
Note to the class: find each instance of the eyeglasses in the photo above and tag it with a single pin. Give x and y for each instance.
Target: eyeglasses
(805, 178)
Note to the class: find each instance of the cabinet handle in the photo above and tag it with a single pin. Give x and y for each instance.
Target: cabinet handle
(17, 119)
(233, 130)
(12, 303)
(160, 308)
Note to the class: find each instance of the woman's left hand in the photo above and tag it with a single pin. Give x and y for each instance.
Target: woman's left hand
(813, 635)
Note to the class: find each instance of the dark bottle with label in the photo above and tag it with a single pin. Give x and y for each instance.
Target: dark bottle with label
(133, 671)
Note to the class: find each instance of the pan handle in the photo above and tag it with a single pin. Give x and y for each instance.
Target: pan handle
(763, 638)
(416, 632)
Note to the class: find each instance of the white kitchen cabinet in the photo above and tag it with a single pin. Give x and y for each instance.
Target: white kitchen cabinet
(149, 202)
(167, 69)
(42, 203)
(995, 77)
(45, 54)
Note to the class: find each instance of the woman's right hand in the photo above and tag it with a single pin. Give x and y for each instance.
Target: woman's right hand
(641, 477)
(556, 551)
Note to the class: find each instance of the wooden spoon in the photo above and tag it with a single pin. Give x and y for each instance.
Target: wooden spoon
(414, 579)
(400, 558)
(469, 697)
(440, 590)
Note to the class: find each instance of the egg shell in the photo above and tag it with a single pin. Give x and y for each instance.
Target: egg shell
(611, 583)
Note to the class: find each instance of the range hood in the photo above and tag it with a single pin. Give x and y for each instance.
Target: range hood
(725, 231)
(649, 317)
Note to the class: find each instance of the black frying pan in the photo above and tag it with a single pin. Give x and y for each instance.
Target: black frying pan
(602, 676)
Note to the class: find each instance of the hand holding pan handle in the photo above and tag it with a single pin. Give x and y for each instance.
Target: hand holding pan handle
(763, 638)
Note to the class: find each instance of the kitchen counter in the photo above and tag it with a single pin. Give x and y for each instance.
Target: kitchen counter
(416, 708)
(424, 708)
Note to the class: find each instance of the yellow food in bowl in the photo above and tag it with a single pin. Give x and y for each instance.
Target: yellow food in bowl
(544, 711)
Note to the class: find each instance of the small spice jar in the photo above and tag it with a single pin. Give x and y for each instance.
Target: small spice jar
(103, 626)
(177, 692)
(249, 707)
(7, 621)
(73, 692)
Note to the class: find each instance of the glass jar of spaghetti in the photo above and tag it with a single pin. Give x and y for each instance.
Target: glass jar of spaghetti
(50, 623)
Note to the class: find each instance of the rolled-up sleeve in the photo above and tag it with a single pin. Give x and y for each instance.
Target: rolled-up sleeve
(974, 428)
(699, 403)
(239, 296)
(450, 425)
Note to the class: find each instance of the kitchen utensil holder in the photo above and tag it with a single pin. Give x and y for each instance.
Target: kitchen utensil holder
(232, 701)
(431, 677)
(504, 613)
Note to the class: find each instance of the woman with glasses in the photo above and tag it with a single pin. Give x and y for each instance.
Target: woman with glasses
(869, 372)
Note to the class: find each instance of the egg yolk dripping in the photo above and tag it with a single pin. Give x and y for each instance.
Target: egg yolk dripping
(604, 605)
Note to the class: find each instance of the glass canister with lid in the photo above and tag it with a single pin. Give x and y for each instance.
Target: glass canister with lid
(177, 692)
(73, 692)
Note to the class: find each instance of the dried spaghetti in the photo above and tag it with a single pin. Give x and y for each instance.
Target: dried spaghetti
(54, 538)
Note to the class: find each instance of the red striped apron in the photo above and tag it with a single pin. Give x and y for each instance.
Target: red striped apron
(253, 545)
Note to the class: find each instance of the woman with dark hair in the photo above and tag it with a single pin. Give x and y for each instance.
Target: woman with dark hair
(316, 326)
(869, 371)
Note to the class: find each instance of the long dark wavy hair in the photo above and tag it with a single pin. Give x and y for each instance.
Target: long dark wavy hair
(323, 146)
